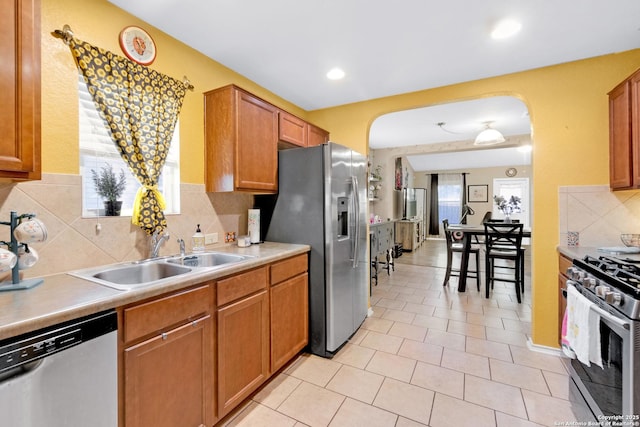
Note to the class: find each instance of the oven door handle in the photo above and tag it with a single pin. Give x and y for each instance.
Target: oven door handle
(607, 316)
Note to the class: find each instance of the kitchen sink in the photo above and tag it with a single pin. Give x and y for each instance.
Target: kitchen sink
(138, 274)
(132, 275)
(207, 259)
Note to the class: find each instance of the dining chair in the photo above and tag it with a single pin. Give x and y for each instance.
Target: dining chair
(454, 244)
(503, 241)
(479, 239)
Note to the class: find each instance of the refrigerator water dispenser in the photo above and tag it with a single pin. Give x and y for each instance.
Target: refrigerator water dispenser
(343, 217)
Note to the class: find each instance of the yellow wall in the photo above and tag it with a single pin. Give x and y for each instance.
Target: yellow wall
(99, 22)
(567, 104)
(569, 114)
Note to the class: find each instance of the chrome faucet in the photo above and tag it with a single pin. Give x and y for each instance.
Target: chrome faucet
(156, 241)
(182, 249)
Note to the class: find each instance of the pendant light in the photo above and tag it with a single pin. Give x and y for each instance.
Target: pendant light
(488, 136)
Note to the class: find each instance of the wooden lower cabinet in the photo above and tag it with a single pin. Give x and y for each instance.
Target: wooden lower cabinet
(243, 349)
(188, 358)
(169, 378)
(563, 264)
(168, 360)
(289, 319)
(407, 234)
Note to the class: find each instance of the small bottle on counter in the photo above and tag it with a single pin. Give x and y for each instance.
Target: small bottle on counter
(197, 241)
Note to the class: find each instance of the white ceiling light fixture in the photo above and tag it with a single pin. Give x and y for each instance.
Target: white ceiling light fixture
(488, 136)
(505, 29)
(335, 74)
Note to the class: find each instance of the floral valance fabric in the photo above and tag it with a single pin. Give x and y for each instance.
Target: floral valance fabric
(140, 107)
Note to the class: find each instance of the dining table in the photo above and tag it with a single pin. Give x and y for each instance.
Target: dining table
(468, 231)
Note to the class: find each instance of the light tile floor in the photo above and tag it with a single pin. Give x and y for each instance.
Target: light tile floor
(429, 356)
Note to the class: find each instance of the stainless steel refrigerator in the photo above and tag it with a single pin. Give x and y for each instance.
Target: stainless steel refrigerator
(322, 202)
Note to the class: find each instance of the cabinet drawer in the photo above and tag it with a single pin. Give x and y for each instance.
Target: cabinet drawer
(241, 285)
(158, 315)
(283, 270)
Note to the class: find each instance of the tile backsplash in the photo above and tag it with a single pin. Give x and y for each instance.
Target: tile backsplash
(598, 214)
(74, 242)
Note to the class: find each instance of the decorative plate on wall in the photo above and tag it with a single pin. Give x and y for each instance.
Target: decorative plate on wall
(138, 45)
(511, 172)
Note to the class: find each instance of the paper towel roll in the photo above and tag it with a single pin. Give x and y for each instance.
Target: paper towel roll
(254, 225)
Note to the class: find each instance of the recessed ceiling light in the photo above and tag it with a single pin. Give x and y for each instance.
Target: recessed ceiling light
(505, 28)
(335, 74)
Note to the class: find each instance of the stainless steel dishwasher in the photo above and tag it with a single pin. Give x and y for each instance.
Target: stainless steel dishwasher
(61, 376)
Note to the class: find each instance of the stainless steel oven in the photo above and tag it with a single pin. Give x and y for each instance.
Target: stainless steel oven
(613, 391)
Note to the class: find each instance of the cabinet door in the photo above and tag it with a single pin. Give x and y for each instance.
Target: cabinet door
(289, 319)
(169, 378)
(634, 87)
(292, 130)
(256, 166)
(563, 264)
(316, 136)
(620, 154)
(20, 90)
(243, 349)
(404, 235)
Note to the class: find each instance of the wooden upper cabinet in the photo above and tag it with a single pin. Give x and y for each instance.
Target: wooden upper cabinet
(316, 136)
(20, 90)
(241, 137)
(295, 132)
(624, 134)
(292, 131)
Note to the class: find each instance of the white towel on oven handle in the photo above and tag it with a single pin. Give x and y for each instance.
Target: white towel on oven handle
(583, 328)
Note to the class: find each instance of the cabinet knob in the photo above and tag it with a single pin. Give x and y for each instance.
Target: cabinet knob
(164, 335)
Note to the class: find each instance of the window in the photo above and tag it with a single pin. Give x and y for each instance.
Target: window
(97, 150)
(449, 197)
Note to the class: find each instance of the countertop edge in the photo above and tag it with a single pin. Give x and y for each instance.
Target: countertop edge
(63, 297)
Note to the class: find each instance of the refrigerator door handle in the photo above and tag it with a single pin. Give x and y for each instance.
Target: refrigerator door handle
(356, 213)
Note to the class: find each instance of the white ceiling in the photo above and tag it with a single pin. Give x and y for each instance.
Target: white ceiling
(386, 47)
(462, 121)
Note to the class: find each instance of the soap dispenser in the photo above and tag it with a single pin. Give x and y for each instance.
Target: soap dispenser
(197, 241)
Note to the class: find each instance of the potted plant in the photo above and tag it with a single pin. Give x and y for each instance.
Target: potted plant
(110, 187)
(507, 207)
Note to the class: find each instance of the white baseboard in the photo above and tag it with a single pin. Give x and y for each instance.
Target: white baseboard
(544, 349)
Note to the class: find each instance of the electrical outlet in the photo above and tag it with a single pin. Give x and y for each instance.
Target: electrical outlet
(210, 238)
